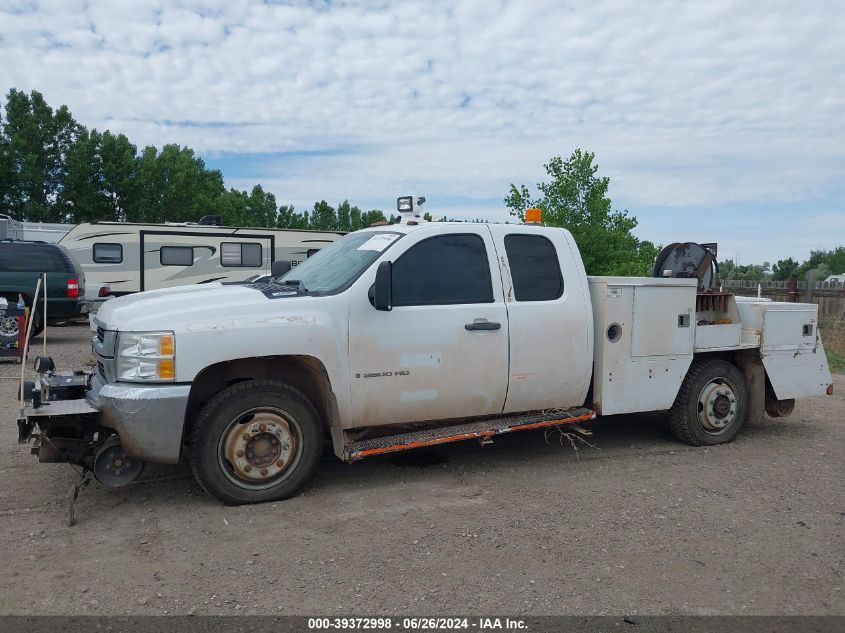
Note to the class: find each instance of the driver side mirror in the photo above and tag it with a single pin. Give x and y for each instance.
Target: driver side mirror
(279, 267)
(383, 287)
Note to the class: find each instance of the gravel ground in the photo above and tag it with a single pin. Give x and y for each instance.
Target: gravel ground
(641, 524)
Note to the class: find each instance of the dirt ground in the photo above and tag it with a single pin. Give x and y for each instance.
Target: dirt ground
(640, 525)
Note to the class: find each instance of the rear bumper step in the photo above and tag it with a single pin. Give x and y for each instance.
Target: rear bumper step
(463, 431)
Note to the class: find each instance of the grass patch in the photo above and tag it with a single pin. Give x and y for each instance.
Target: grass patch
(836, 361)
(832, 329)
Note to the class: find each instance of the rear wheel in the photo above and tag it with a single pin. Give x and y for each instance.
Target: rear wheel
(258, 440)
(711, 405)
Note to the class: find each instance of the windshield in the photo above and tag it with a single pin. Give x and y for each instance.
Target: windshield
(334, 267)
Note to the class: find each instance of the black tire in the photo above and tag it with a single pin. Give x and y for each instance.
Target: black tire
(37, 325)
(9, 331)
(711, 405)
(244, 426)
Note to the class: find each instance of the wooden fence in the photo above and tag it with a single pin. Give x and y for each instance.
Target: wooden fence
(829, 297)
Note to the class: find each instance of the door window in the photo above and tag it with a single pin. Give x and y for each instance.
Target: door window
(534, 267)
(446, 269)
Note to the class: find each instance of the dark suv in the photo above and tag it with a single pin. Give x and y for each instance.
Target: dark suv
(21, 263)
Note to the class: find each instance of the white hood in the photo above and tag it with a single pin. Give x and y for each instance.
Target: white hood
(175, 308)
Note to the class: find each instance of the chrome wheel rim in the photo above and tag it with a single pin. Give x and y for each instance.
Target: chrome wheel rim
(259, 448)
(9, 326)
(717, 405)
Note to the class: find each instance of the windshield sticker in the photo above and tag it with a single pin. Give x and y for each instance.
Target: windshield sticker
(378, 242)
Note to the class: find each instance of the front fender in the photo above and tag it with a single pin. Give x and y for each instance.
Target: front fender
(317, 329)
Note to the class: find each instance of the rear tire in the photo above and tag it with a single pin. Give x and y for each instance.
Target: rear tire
(256, 441)
(711, 405)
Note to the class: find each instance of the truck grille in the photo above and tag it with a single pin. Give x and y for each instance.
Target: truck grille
(101, 368)
(100, 333)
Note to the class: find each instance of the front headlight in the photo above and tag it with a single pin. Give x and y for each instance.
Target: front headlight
(146, 356)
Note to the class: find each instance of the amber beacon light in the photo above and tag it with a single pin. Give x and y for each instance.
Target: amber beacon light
(533, 216)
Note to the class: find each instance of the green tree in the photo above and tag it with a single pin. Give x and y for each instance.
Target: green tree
(830, 262)
(324, 217)
(36, 144)
(576, 198)
(288, 218)
(99, 174)
(234, 208)
(174, 186)
(344, 216)
(730, 270)
(819, 261)
(7, 174)
(119, 164)
(356, 221)
(261, 208)
(83, 197)
(371, 217)
(784, 269)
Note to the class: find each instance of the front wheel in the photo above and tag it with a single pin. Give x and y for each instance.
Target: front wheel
(258, 440)
(711, 405)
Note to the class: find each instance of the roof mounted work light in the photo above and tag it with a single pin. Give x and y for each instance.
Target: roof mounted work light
(405, 204)
(409, 208)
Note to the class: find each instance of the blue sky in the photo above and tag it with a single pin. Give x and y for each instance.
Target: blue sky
(715, 121)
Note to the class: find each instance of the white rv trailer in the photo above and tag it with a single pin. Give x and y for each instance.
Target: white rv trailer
(134, 257)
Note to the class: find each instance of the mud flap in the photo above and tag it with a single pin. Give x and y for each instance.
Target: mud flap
(755, 383)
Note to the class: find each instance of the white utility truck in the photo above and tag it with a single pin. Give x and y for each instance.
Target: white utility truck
(414, 334)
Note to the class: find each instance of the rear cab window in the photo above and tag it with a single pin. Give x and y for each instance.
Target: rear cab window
(534, 267)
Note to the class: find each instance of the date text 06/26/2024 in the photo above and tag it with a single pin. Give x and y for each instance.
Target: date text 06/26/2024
(416, 623)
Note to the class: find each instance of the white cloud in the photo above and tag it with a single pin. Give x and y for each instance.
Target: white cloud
(685, 104)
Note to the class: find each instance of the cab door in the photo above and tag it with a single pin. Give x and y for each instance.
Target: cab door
(442, 351)
(549, 318)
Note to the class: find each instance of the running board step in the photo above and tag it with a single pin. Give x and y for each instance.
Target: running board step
(463, 431)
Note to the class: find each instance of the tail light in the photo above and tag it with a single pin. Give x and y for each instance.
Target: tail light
(72, 288)
(105, 291)
(830, 389)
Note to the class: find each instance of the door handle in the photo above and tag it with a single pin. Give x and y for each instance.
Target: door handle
(483, 325)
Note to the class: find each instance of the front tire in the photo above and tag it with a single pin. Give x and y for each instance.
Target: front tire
(711, 405)
(256, 441)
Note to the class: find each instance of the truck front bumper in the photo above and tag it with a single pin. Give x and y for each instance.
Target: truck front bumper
(148, 418)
